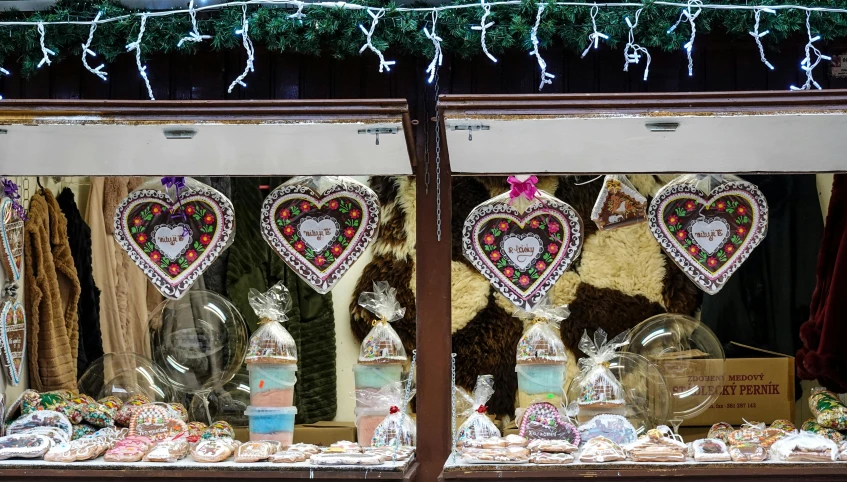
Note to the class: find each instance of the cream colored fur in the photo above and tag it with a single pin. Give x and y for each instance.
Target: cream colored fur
(402, 205)
(469, 294)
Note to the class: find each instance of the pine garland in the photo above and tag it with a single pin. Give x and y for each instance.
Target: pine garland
(335, 31)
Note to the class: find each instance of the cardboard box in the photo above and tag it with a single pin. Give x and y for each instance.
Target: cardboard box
(760, 388)
(321, 433)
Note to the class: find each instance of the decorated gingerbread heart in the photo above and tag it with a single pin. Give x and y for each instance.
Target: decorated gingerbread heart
(709, 235)
(320, 226)
(174, 241)
(542, 421)
(11, 240)
(522, 253)
(13, 339)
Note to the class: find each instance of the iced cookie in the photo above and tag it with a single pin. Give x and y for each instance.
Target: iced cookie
(551, 458)
(41, 418)
(213, 450)
(552, 446)
(168, 451)
(289, 457)
(130, 449)
(24, 445)
(305, 448)
(254, 452)
(156, 423)
(125, 413)
(345, 459)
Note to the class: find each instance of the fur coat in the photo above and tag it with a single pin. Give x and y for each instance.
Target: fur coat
(51, 296)
(621, 278)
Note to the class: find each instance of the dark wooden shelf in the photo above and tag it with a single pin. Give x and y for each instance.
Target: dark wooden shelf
(11, 471)
(648, 472)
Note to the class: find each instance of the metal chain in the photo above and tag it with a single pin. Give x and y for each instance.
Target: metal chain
(437, 164)
(426, 148)
(406, 397)
(453, 402)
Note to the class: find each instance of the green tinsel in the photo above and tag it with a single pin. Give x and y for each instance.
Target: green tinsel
(335, 31)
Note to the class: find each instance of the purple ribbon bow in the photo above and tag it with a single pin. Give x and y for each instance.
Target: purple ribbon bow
(10, 190)
(178, 183)
(526, 188)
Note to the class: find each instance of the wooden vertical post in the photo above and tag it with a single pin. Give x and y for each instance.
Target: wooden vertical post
(433, 324)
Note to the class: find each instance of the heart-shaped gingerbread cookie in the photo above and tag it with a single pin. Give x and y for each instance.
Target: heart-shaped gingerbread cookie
(522, 254)
(709, 235)
(13, 339)
(320, 235)
(174, 242)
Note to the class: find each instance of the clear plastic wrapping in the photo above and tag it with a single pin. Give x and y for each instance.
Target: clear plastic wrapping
(477, 424)
(710, 450)
(271, 342)
(600, 450)
(658, 445)
(541, 343)
(598, 387)
(828, 409)
(804, 447)
(389, 402)
(382, 344)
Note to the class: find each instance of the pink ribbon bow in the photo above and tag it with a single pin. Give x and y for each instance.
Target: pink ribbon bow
(526, 188)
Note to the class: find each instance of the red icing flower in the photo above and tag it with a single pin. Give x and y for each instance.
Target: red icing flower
(693, 250)
(540, 265)
(553, 228)
(523, 280)
(205, 239)
(509, 271)
(712, 262)
(333, 204)
(300, 246)
(336, 249)
(156, 256)
(320, 260)
(173, 269)
(681, 234)
(141, 238)
(191, 255)
(673, 220)
(495, 256)
(285, 213)
(305, 206)
(288, 230)
(741, 230)
(488, 238)
(690, 205)
(355, 214)
(552, 249)
(534, 223)
(136, 221)
(208, 219)
(741, 210)
(156, 209)
(189, 210)
(729, 248)
(503, 225)
(720, 206)
(349, 232)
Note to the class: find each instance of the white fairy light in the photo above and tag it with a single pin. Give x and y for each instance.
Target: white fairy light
(758, 35)
(136, 46)
(483, 28)
(632, 52)
(44, 50)
(546, 78)
(690, 17)
(248, 47)
(383, 64)
(807, 63)
(194, 34)
(595, 36)
(86, 51)
(437, 58)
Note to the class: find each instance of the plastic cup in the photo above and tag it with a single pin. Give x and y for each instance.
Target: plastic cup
(540, 383)
(367, 420)
(268, 423)
(377, 375)
(272, 385)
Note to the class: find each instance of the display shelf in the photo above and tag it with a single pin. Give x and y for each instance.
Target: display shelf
(646, 471)
(646, 133)
(188, 470)
(210, 138)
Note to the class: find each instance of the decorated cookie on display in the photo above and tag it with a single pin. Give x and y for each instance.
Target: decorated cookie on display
(170, 450)
(289, 457)
(219, 429)
(173, 229)
(195, 431)
(12, 216)
(13, 339)
(213, 450)
(708, 225)
(619, 204)
(613, 427)
(156, 423)
(543, 421)
(522, 241)
(255, 451)
(132, 404)
(27, 446)
(130, 449)
(320, 225)
(40, 418)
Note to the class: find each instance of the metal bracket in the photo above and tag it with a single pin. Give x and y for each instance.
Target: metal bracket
(379, 130)
(470, 128)
(662, 126)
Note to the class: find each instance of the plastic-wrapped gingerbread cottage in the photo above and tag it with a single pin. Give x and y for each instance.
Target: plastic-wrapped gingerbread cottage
(541, 356)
